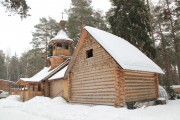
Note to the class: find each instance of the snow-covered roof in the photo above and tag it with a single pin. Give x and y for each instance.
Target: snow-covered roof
(45, 73)
(7, 81)
(125, 54)
(61, 35)
(59, 74)
(38, 76)
(175, 86)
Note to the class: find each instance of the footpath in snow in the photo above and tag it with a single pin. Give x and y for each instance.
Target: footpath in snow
(44, 108)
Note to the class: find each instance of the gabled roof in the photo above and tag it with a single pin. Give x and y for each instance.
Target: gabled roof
(61, 35)
(38, 76)
(123, 52)
(59, 74)
(6, 81)
(44, 74)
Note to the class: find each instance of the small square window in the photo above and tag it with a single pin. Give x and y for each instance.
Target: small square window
(89, 53)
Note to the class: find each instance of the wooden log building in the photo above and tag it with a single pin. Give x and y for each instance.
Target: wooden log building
(50, 80)
(106, 69)
(6, 85)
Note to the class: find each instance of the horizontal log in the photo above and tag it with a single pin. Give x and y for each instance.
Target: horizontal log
(90, 77)
(93, 84)
(138, 75)
(140, 84)
(93, 100)
(92, 81)
(138, 98)
(137, 72)
(94, 90)
(139, 90)
(95, 94)
(135, 93)
(91, 87)
(98, 71)
(99, 57)
(92, 97)
(139, 78)
(139, 87)
(138, 81)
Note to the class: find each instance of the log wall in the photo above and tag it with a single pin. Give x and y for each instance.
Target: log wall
(140, 86)
(56, 88)
(92, 80)
(5, 85)
(55, 61)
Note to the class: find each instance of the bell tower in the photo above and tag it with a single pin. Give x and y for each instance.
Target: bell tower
(60, 47)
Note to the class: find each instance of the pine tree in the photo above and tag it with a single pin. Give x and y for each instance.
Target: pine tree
(129, 19)
(159, 26)
(19, 7)
(14, 68)
(2, 65)
(31, 62)
(44, 31)
(176, 12)
(81, 12)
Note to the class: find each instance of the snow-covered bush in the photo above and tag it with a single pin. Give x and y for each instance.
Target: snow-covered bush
(163, 94)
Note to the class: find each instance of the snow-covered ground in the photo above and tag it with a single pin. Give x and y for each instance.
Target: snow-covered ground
(43, 108)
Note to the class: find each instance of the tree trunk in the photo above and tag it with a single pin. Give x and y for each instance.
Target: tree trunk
(176, 42)
(165, 56)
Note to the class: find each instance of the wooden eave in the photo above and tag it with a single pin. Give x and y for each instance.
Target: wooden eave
(22, 82)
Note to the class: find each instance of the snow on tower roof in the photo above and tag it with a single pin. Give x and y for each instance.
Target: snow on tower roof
(61, 35)
(124, 53)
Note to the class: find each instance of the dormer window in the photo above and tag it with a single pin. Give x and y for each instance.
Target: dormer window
(89, 53)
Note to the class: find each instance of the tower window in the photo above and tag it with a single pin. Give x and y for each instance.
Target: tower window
(89, 53)
(66, 46)
(59, 46)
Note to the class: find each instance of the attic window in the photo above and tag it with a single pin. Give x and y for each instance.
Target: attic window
(89, 53)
